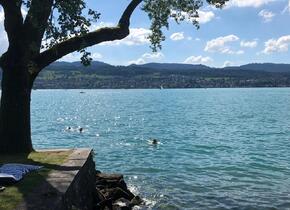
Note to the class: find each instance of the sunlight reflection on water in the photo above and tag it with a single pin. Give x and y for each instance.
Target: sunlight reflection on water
(221, 148)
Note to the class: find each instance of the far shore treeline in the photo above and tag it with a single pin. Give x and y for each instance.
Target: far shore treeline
(64, 75)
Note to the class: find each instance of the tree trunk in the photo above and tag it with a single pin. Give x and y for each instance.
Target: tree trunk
(15, 129)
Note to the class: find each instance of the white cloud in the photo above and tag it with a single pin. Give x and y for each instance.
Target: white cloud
(96, 56)
(249, 44)
(287, 8)
(3, 35)
(1, 15)
(147, 57)
(232, 52)
(227, 64)
(248, 3)
(180, 36)
(153, 56)
(99, 25)
(220, 45)
(71, 57)
(198, 60)
(177, 36)
(205, 16)
(139, 61)
(75, 56)
(266, 15)
(137, 36)
(277, 45)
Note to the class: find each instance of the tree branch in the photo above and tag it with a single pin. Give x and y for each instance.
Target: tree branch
(77, 43)
(36, 23)
(80, 42)
(2, 2)
(13, 25)
(13, 22)
(125, 18)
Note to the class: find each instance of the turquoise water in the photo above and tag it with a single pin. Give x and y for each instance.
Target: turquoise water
(220, 148)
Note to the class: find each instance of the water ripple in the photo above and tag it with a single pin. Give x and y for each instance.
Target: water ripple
(220, 148)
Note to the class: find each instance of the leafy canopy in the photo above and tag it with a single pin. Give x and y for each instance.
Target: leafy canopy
(71, 18)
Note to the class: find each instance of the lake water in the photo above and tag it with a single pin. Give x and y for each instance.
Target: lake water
(219, 148)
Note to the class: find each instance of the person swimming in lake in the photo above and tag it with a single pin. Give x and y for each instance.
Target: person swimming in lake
(153, 141)
(81, 130)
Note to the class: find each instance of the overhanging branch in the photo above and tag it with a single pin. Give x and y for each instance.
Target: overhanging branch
(125, 18)
(80, 42)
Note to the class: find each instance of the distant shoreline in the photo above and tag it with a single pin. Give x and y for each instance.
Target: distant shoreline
(62, 75)
(158, 88)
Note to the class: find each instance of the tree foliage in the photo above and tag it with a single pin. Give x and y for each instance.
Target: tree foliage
(58, 27)
(160, 11)
(72, 18)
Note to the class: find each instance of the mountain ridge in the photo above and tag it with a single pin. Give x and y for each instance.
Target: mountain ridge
(100, 75)
(266, 67)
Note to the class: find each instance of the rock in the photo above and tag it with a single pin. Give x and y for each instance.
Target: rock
(112, 193)
(117, 193)
(99, 196)
(135, 201)
(104, 204)
(122, 184)
(109, 176)
(2, 188)
(121, 204)
(110, 181)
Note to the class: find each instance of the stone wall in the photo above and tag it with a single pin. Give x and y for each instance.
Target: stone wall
(69, 186)
(80, 194)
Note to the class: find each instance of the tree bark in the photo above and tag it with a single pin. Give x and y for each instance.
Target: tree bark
(23, 61)
(15, 129)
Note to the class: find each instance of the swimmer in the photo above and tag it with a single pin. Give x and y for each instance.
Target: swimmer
(153, 141)
(81, 130)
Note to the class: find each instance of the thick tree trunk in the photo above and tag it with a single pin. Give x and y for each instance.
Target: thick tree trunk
(15, 129)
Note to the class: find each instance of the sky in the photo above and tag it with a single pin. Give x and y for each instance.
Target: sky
(245, 31)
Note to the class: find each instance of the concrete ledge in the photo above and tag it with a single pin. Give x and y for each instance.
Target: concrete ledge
(69, 186)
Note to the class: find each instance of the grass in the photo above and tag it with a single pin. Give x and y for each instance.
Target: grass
(13, 195)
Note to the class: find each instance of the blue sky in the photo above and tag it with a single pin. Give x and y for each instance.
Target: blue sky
(246, 31)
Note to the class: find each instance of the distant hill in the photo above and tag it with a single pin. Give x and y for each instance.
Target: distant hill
(96, 65)
(266, 67)
(173, 66)
(66, 66)
(169, 75)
